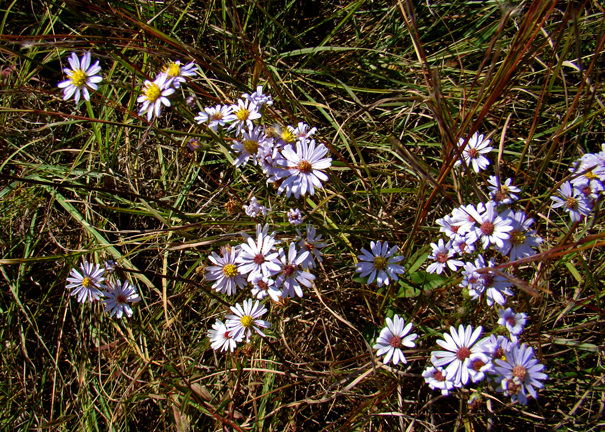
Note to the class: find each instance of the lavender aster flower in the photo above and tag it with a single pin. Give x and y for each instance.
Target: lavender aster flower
(392, 338)
(573, 201)
(380, 263)
(81, 76)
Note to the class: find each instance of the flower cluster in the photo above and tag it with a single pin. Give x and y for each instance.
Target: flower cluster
(155, 93)
(83, 75)
(475, 231)
(467, 359)
(90, 284)
(578, 196)
(273, 272)
(289, 157)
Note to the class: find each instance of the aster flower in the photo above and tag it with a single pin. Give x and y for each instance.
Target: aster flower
(459, 346)
(259, 256)
(262, 286)
(313, 245)
(254, 208)
(294, 217)
(215, 116)
(303, 131)
(292, 275)
(178, 74)
(245, 319)
(155, 94)
(380, 264)
(258, 98)
(502, 193)
(590, 176)
(437, 379)
(88, 284)
(243, 114)
(573, 201)
(491, 227)
(252, 141)
(522, 239)
(519, 373)
(222, 339)
(443, 256)
(462, 245)
(473, 152)
(494, 346)
(478, 364)
(448, 225)
(81, 76)
(514, 322)
(118, 297)
(392, 338)
(304, 168)
(225, 272)
(480, 281)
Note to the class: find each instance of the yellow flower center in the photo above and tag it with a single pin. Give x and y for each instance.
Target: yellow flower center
(571, 203)
(517, 237)
(380, 263)
(242, 114)
(247, 321)
(590, 175)
(230, 270)
(79, 77)
(87, 282)
(173, 70)
(250, 146)
(153, 92)
(287, 136)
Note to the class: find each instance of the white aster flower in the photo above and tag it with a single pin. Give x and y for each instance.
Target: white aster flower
(215, 116)
(178, 74)
(459, 345)
(245, 319)
(295, 217)
(449, 225)
(292, 275)
(392, 338)
(303, 131)
(221, 338)
(478, 364)
(573, 201)
(258, 98)
(480, 280)
(262, 286)
(491, 227)
(380, 263)
(81, 76)
(118, 297)
(155, 94)
(303, 168)
(437, 379)
(443, 255)
(473, 152)
(514, 322)
(519, 372)
(502, 193)
(225, 271)
(494, 346)
(259, 256)
(523, 240)
(313, 244)
(254, 208)
(88, 284)
(243, 113)
(250, 145)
